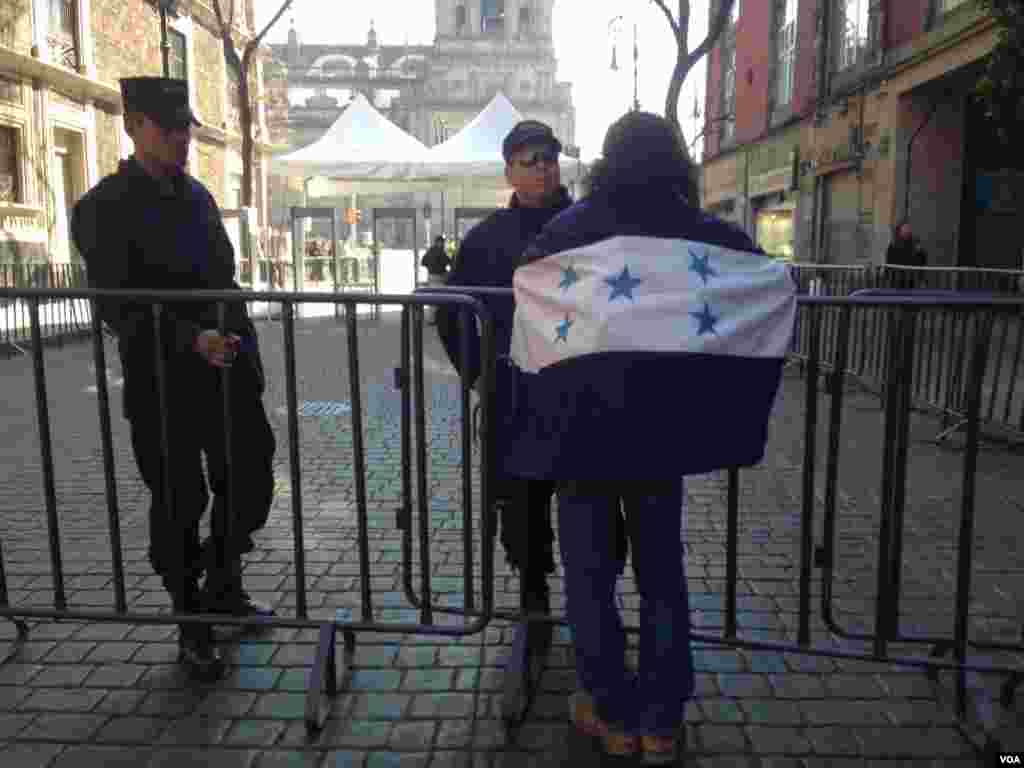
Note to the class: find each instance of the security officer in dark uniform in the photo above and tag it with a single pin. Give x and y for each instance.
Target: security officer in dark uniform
(153, 226)
(487, 257)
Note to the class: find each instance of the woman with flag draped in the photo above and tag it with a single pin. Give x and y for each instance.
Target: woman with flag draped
(649, 339)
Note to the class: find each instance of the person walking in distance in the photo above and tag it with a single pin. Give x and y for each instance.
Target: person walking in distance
(152, 226)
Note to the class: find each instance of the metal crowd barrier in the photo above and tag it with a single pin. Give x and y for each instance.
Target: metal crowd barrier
(324, 675)
(533, 639)
(61, 318)
(940, 364)
(532, 636)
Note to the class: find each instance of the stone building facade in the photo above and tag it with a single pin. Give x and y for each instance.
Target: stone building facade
(431, 91)
(61, 125)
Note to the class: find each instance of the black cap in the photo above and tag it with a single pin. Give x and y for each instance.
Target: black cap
(528, 132)
(162, 99)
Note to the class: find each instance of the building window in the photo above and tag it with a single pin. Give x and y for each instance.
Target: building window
(786, 52)
(10, 167)
(857, 32)
(177, 58)
(945, 6)
(460, 19)
(63, 32)
(728, 111)
(524, 20)
(492, 17)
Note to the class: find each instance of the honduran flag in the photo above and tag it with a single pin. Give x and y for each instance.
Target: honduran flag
(645, 357)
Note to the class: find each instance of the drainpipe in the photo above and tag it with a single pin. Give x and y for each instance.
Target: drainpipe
(822, 94)
(910, 157)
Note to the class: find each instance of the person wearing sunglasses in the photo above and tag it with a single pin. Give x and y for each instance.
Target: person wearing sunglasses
(487, 257)
(152, 226)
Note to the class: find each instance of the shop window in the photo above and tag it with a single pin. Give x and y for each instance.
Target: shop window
(492, 17)
(10, 165)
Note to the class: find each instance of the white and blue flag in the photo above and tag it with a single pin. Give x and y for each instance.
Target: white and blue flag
(646, 356)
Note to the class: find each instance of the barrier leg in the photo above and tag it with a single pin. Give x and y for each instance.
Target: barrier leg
(323, 676)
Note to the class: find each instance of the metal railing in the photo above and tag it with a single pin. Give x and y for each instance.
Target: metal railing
(940, 357)
(61, 318)
(325, 670)
(526, 661)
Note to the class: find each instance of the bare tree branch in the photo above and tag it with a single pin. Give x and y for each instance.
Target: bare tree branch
(718, 24)
(284, 7)
(669, 16)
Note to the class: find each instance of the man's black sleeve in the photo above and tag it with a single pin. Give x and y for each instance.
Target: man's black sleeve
(470, 270)
(97, 228)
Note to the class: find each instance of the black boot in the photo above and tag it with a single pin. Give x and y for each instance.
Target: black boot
(196, 650)
(223, 593)
(198, 654)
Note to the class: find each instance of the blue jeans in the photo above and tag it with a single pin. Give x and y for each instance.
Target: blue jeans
(652, 702)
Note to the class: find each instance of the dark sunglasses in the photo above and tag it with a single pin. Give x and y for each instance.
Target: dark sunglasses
(548, 154)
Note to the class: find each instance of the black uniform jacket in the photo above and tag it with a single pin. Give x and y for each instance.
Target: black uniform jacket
(135, 233)
(487, 258)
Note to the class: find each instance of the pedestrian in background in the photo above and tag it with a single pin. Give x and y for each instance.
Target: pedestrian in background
(905, 250)
(436, 262)
(152, 226)
(650, 339)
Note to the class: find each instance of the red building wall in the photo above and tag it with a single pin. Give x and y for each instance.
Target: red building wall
(905, 20)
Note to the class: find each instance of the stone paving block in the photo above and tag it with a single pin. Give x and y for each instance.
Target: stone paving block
(156, 653)
(428, 680)
(14, 673)
(280, 706)
(293, 679)
(442, 705)
(542, 736)
(195, 729)
(381, 706)
(797, 686)
(230, 704)
(832, 740)
(11, 725)
(171, 703)
(102, 757)
(132, 730)
(413, 735)
(253, 733)
(719, 711)
(455, 734)
(105, 653)
(854, 686)
(69, 652)
(30, 755)
(398, 760)
(849, 712)
(364, 734)
(772, 712)
(115, 676)
(199, 758)
(779, 740)
(455, 760)
(720, 738)
(417, 656)
(62, 700)
(375, 680)
(732, 761)
(912, 743)
(120, 702)
(742, 685)
(102, 632)
(63, 727)
(33, 651)
(489, 734)
(294, 759)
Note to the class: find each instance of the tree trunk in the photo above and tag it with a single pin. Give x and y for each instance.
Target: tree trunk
(245, 126)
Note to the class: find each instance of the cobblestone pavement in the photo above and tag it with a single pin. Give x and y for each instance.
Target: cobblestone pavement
(91, 694)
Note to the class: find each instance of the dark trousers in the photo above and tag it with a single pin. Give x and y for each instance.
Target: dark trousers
(196, 430)
(653, 701)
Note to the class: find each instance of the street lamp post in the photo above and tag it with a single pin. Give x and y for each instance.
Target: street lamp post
(165, 6)
(636, 59)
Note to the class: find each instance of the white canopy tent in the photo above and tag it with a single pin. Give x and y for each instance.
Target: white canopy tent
(361, 144)
(475, 151)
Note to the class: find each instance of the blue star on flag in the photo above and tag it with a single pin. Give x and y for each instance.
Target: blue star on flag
(562, 329)
(569, 277)
(622, 284)
(706, 319)
(702, 266)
